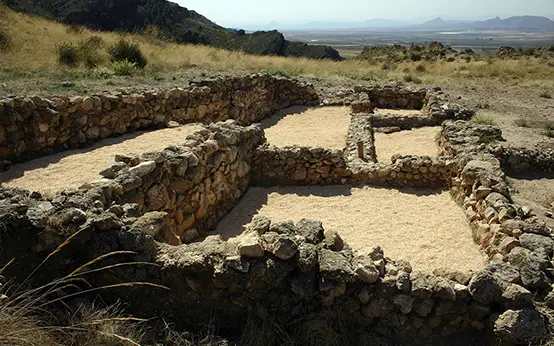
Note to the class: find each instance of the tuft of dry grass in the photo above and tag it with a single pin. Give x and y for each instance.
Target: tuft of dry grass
(483, 119)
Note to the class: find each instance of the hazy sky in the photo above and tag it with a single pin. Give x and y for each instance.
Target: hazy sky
(246, 11)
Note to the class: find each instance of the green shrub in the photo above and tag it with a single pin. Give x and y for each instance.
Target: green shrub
(5, 41)
(545, 95)
(127, 51)
(451, 59)
(68, 54)
(124, 68)
(483, 120)
(411, 79)
(102, 72)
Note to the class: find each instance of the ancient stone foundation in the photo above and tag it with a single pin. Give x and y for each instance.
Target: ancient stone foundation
(160, 204)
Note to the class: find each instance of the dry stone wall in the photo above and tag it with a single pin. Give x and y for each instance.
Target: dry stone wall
(394, 96)
(521, 160)
(32, 126)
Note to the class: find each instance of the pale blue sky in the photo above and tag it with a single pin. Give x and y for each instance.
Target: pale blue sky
(247, 11)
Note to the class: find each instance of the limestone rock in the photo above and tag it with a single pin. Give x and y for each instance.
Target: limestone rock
(485, 288)
(151, 223)
(111, 171)
(143, 168)
(517, 297)
(404, 303)
(335, 266)
(333, 241)
(521, 326)
(251, 246)
(285, 248)
(366, 271)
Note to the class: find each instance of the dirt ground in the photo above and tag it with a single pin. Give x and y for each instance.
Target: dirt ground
(422, 226)
(73, 168)
(413, 142)
(536, 192)
(298, 125)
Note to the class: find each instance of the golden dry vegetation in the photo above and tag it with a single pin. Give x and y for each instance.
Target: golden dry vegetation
(30, 63)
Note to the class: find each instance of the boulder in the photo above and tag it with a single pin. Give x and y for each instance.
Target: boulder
(365, 269)
(251, 245)
(521, 327)
(486, 288)
(517, 297)
(335, 266)
(285, 248)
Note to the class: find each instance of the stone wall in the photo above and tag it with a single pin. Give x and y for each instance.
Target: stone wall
(186, 188)
(298, 166)
(521, 160)
(361, 130)
(32, 126)
(394, 96)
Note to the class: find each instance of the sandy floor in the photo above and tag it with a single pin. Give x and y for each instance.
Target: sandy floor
(425, 227)
(405, 112)
(414, 142)
(536, 192)
(72, 168)
(322, 126)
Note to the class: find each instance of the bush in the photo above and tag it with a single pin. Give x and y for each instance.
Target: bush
(411, 79)
(124, 68)
(102, 72)
(88, 51)
(127, 51)
(5, 41)
(68, 54)
(483, 120)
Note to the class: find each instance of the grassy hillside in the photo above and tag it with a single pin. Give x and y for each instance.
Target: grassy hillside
(174, 22)
(29, 63)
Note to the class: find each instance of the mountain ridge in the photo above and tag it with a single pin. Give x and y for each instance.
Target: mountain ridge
(175, 22)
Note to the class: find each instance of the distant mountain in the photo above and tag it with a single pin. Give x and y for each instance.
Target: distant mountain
(535, 23)
(175, 22)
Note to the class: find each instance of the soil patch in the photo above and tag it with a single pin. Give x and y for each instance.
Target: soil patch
(422, 226)
(316, 127)
(420, 141)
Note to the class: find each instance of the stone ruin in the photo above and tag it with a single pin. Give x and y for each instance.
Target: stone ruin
(161, 205)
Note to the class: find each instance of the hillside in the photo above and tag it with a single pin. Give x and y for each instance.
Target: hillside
(173, 21)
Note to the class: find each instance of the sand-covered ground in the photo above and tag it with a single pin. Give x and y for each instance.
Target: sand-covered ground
(73, 168)
(423, 226)
(317, 127)
(419, 141)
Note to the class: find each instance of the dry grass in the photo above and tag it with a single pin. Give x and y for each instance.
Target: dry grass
(73, 168)
(419, 141)
(322, 126)
(424, 227)
(34, 37)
